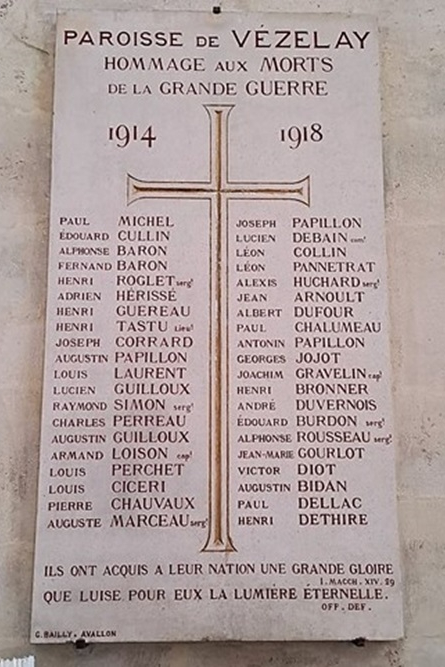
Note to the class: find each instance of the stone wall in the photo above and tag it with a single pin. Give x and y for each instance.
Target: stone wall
(413, 101)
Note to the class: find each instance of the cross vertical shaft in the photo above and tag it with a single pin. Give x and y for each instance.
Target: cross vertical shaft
(218, 537)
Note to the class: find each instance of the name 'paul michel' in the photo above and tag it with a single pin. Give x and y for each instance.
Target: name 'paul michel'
(261, 38)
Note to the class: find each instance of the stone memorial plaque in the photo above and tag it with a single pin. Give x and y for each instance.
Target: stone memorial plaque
(217, 450)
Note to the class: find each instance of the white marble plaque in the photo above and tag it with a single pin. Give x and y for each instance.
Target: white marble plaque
(217, 450)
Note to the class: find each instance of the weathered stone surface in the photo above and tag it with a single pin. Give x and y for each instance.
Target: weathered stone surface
(411, 38)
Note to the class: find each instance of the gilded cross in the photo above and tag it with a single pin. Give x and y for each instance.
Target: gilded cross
(218, 190)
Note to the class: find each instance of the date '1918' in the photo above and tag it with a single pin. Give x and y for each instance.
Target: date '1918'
(294, 135)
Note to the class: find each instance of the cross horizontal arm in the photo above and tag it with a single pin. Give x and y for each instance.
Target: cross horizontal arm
(139, 189)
